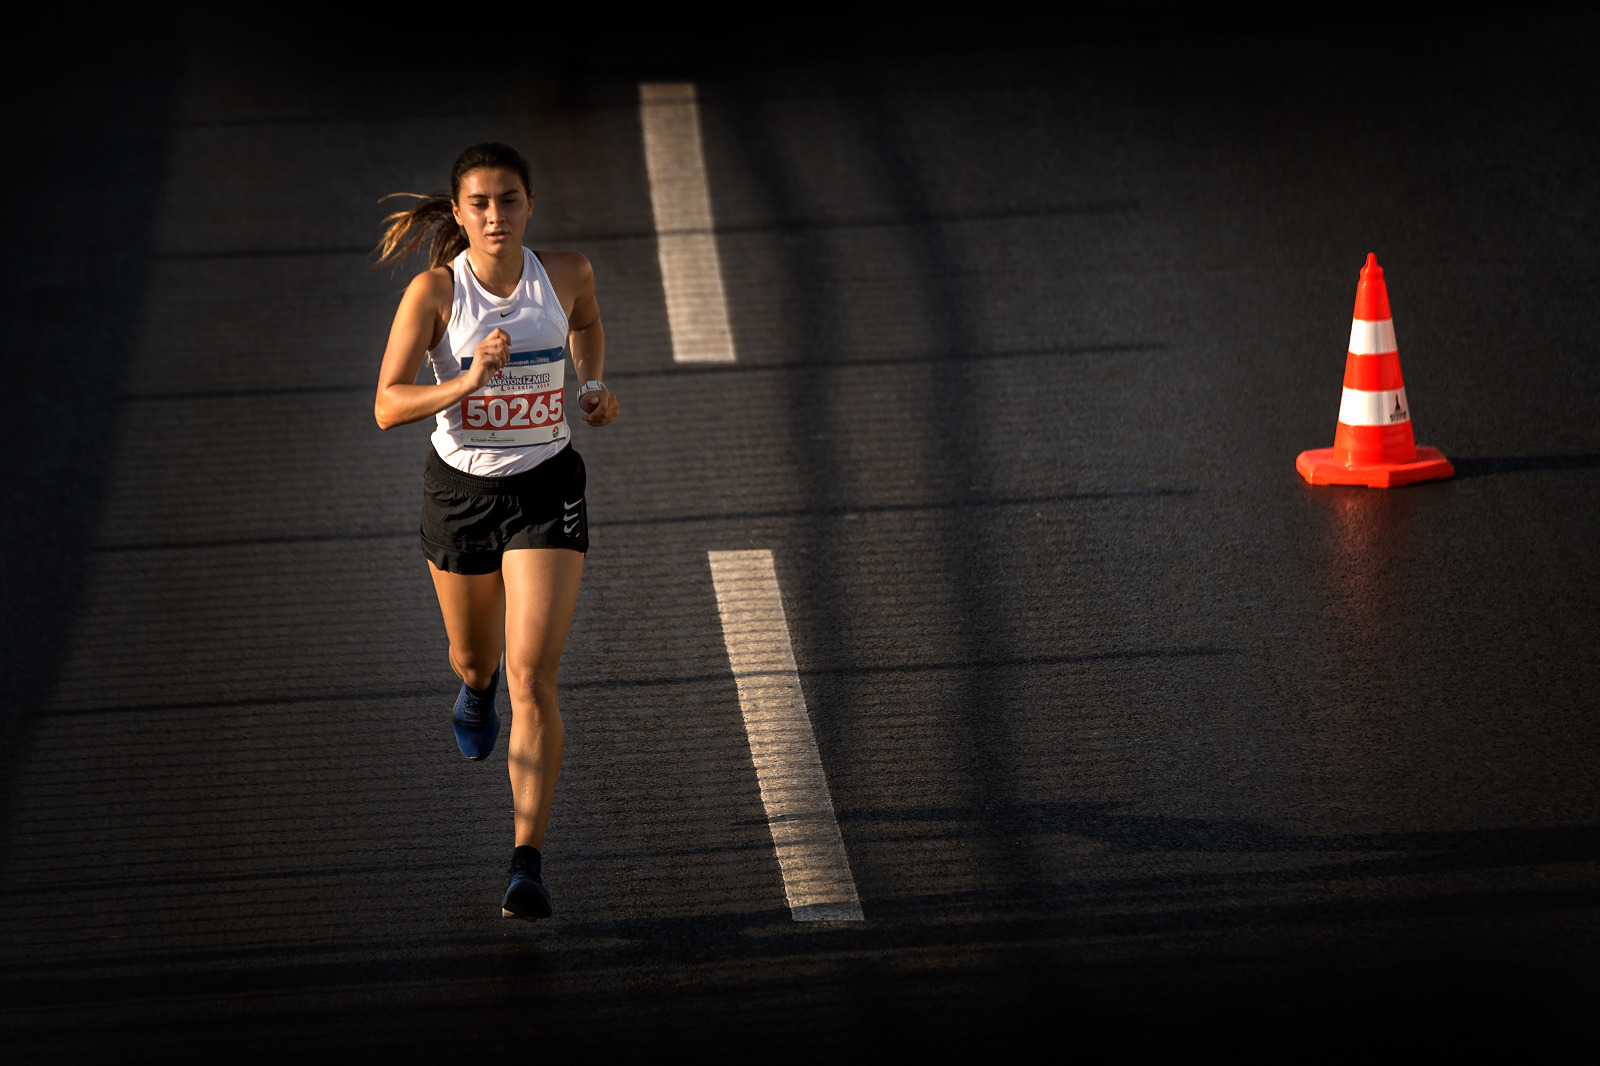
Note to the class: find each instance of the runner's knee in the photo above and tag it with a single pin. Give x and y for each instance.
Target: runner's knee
(534, 685)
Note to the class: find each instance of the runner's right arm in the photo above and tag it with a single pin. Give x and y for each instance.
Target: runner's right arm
(418, 325)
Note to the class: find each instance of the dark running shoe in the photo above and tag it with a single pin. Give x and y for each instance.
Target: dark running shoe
(476, 721)
(526, 896)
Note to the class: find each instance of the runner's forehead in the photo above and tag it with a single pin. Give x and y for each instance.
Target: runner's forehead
(490, 181)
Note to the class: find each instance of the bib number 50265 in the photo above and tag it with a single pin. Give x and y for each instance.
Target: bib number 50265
(518, 411)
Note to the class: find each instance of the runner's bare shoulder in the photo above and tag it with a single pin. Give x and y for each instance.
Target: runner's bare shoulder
(567, 269)
(437, 286)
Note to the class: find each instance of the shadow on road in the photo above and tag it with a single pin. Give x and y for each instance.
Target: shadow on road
(72, 297)
(1483, 466)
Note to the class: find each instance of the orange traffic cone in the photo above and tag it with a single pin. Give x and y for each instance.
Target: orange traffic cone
(1373, 444)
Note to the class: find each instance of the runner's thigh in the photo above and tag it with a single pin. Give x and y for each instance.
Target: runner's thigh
(473, 606)
(541, 591)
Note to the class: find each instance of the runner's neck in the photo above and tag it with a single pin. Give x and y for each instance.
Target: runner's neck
(503, 273)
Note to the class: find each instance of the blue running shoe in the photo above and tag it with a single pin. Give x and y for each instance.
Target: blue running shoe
(526, 896)
(476, 721)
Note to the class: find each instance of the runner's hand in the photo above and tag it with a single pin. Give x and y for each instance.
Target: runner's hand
(599, 407)
(491, 355)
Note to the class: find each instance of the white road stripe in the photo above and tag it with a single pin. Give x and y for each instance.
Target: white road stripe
(1372, 338)
(805, 832)
(691, 270)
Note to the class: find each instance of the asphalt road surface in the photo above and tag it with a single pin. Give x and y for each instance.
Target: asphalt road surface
(1132, 735)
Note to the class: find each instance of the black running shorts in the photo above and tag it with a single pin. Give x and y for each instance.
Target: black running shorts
(469, 521)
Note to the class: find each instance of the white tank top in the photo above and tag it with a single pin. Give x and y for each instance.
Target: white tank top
(518, 420)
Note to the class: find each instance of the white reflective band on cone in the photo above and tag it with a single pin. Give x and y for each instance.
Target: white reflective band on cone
(1361, 408)
(1372, 338)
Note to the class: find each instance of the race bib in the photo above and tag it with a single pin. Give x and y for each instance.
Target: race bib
(521, 405)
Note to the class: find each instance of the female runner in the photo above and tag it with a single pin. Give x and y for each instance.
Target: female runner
(504, 525)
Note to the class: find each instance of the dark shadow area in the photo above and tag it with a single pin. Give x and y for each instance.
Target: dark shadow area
(1039, 920)
(1484, 466)
(991, 995)
(665, 47)
(83, 178)
(1405, 852)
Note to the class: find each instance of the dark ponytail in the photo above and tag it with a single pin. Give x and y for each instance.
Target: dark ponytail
(431, 219)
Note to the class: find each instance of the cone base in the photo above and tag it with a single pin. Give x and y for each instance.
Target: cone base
(1319, 467)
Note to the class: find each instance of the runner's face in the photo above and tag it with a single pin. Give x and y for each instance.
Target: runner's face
(493, 208)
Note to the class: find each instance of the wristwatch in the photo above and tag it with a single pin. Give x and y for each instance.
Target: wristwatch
(591, 386)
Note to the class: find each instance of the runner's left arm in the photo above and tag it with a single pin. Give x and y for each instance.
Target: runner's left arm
(588, 339)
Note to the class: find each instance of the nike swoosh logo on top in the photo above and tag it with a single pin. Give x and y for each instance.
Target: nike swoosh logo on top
(573, 504)
(505, 313)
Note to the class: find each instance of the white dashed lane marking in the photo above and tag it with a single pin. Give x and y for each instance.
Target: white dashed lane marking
(794, 790)
(691, 270)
